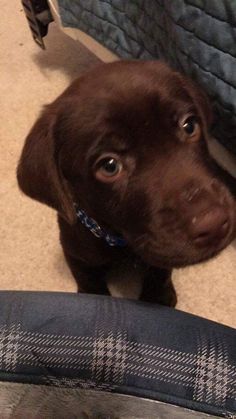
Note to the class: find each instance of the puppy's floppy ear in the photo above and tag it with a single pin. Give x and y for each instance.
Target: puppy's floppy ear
(38, 172)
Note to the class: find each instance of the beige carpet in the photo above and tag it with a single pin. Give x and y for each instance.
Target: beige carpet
(31, 258)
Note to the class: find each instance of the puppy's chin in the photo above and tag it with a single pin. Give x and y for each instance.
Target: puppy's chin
(182, 261)
(185, 255)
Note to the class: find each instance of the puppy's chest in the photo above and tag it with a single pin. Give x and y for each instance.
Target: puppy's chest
(126, 280)
(124, 272)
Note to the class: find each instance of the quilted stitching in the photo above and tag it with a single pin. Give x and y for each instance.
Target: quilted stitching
(222, 11)
(175, 31)
(90, 24)
(115, 32)
(212, 37)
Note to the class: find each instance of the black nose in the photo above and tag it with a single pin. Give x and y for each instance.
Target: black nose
(211, 226)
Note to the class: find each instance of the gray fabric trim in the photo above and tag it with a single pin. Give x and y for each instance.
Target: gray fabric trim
(41, 402)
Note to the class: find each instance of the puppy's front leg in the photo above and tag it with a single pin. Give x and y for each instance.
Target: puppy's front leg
(158, 287)
(89, 280)
(135, 280)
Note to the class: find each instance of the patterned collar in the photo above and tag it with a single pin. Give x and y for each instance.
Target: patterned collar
(98, 231)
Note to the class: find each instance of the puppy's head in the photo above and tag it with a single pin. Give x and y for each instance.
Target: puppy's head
(127, 143)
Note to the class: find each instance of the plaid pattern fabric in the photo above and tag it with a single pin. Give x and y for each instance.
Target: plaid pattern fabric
(98, 342)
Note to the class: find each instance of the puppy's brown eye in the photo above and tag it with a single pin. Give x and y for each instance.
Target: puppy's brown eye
(190, 124)
(108, 168)
(190, 128)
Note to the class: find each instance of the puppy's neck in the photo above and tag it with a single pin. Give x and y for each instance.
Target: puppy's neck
(98, 231)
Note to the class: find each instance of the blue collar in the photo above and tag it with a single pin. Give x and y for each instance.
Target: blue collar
(98, 231)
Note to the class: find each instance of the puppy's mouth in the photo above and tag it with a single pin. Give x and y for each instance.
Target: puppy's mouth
(175, 252)
(184, 256)
(198, 255)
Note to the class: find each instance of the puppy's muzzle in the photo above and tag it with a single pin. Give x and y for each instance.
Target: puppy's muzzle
(208, 214)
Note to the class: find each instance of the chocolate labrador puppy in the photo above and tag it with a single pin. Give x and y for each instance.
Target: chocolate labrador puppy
(122, 156)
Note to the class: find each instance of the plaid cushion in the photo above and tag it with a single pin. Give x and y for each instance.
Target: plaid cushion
(128, 347)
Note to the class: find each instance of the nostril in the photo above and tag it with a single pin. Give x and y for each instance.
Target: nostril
(203, 235)
(202, 238)
(213, 225)
(225, 226)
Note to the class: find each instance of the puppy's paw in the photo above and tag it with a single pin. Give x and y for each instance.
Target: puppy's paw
(168, 296)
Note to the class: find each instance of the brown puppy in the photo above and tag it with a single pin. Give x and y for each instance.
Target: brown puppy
(125, 145)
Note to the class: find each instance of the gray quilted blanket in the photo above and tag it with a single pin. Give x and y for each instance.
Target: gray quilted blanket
(197, 37)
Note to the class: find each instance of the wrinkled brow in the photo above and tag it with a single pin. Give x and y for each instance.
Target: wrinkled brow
(108, 143)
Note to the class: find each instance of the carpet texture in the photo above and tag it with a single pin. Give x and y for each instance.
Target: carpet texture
(31, 258)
